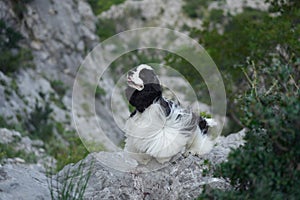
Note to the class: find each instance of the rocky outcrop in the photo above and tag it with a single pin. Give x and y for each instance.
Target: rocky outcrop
(184, 178)
(117, 176)
(23, 182)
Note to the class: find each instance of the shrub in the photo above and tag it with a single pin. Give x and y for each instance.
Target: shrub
(19, 7)
(38, 123)
(99, 6)
(12, 56)
(8, 151)
(59, 87)
(105, 28)
(268, 165)
(195, 8)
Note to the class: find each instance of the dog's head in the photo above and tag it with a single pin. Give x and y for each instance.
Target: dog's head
(143, 87)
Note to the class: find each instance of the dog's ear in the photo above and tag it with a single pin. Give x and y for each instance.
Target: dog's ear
(157, 87)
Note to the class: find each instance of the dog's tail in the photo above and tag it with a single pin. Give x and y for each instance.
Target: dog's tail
(203, 142)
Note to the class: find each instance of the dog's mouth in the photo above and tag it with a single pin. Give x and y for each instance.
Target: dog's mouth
(134, 85)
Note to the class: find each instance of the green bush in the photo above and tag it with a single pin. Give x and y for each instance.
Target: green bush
(59, 87)
(267, 166)
(195, 8)
(39, 123)
(12, 56)
(99, 6)
(19, 7)
(105, 28)
(71, 150)
(8, 151)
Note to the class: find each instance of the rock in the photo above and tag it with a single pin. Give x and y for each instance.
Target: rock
(8, 136)
(117, 176)
(22, 182)
(150, 13)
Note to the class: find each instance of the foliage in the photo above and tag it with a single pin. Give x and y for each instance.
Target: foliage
(283, 6)
(12, 56)
(67, 152)
(265, 48)
(73, 183)
(9, 38)
(191, 74)
(59, 87)
(99, 92)
(8, 151)
(268, 165)
(19, 7)
(100, 6)
(105, 28)
(68, 148)
(38, 122)
(195, 8)
(252, 34)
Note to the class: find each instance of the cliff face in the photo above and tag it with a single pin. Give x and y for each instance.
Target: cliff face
(58, 34)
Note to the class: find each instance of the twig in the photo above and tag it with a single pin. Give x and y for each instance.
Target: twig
(294, 82)
(271, 88)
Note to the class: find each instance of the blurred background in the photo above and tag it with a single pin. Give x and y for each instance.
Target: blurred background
(254, 43)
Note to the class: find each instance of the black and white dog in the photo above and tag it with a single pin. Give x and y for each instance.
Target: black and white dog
(159, 127)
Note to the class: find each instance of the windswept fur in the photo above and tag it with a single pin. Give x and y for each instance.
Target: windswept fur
(160, 128)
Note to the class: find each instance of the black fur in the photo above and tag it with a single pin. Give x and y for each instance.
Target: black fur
(143, 99)
(203, 125)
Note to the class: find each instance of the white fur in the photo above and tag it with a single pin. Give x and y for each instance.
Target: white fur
(143, 66)
(153, 134)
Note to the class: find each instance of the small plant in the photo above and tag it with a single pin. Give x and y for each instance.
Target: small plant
(38, 123)
(100, 6)
(99, 92)
(105, 28)
(71, 184)
(12, 56)
(205, 115)
(59, 87)
(70, 151)
(8, 151)
(195, 8)
(57, 100)
(19, 7)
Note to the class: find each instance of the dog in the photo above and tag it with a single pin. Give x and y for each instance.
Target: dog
(160, 128)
